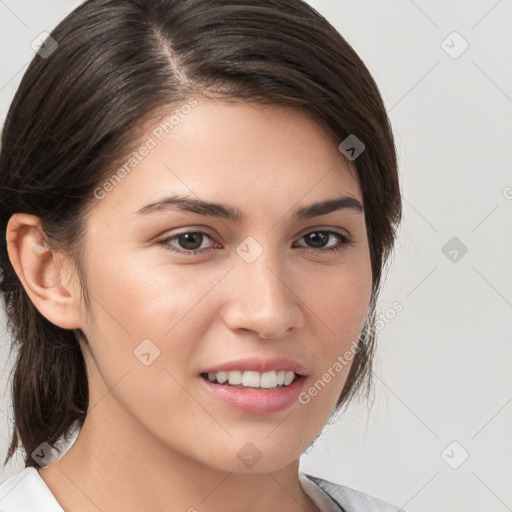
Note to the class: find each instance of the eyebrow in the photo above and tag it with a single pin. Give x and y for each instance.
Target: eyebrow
(222, 211)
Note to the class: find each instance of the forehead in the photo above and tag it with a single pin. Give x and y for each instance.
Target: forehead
(239, 153)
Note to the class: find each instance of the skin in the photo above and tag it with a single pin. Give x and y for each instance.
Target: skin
(153, 438)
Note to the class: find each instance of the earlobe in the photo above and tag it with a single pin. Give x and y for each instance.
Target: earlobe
(52, 288)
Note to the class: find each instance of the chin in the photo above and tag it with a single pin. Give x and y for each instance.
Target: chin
(251, 457)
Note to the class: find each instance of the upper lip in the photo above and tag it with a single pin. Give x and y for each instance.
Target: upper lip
(258, 364)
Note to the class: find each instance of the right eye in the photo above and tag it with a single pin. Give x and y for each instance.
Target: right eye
(189, 240)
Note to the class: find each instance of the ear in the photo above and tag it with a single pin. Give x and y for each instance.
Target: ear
(48, 277)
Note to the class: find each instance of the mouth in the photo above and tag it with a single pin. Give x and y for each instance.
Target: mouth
(254, 392)
(254, 385)
(268, 381)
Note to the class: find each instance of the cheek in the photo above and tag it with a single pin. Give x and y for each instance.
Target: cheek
(140, 329)
(145, 297)
(339, 305)
(340, 299)
(139, 300)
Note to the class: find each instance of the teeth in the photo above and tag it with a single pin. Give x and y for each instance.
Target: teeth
(288, 377)
(252, 379)
(235, 377)
(221, 377)
(269, 380)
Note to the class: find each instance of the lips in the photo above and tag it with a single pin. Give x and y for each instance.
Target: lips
(255, 400)
(270, 396)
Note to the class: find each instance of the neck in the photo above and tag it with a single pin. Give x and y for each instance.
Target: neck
(122, 466)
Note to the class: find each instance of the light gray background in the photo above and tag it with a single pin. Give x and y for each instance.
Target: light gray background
(443, 363)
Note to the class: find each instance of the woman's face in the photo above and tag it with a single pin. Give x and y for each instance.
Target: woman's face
(265, 293)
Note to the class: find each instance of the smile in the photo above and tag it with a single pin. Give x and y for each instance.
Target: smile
(254, 399)
(252, 379)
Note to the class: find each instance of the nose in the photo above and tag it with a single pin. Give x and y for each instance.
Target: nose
(260, 299)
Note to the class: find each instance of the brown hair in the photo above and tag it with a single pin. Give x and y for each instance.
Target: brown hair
(75, 115)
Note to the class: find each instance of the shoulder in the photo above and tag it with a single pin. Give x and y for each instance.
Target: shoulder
(349, 499)
(26, 491)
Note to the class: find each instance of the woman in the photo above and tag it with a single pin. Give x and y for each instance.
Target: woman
(198, 200)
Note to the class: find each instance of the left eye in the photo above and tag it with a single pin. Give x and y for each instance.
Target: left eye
(191, 241)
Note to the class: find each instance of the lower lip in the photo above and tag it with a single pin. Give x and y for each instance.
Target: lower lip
(256, 401)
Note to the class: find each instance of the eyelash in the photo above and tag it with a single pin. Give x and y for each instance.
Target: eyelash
(345, 242)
